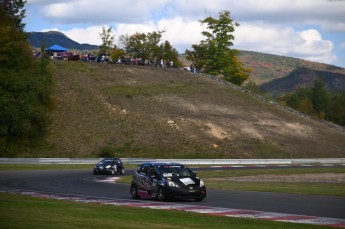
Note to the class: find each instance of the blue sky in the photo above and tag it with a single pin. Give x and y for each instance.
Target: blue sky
(307, 29)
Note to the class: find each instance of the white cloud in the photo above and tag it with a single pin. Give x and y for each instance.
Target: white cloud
(189, 32)
(279, 27)
(88, 35)
(45, 2)
(180, 32)
(328, 14)
(102, 11)
(342, 45)
(122, 29)
(306, 44)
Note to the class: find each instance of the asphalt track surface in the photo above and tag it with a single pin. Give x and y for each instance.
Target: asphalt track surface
(82, 182)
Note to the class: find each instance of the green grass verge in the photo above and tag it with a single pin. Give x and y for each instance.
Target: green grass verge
(278, 171)
(295, 188)
(17, 211)
(332, 189)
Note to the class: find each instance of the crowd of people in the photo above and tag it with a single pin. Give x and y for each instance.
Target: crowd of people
(105, 58)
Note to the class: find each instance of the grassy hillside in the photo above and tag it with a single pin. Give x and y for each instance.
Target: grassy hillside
(167, 113)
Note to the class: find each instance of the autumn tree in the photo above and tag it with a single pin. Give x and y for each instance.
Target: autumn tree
(217, 56)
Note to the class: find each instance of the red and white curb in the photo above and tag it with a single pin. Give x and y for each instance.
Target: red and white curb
(229, 212)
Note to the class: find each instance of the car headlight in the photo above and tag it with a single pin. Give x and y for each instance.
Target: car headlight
(173, 184)
(107, 167)
(202, 184)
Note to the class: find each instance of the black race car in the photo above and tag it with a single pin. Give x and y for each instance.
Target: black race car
(109, 166)
(166, 180)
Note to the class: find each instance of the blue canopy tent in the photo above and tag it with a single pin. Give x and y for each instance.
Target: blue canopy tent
(56, 48)
(55, 51)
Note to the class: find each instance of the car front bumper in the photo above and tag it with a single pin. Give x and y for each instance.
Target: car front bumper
(186, 193)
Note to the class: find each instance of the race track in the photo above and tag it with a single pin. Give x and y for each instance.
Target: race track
(83, 182)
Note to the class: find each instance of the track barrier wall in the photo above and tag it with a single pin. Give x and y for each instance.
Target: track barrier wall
(182, 161)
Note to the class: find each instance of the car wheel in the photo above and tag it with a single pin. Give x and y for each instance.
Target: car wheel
(161, 194)
(199, 199)
(134, 192)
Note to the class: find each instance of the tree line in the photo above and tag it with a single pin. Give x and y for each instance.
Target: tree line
(25, 84)
(149, 47)
(213, 55)
(318, 102)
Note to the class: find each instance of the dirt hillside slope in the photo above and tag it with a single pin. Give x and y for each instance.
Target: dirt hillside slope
(134, 111)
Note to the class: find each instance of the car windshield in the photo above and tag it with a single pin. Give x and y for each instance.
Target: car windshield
(174, 170)
(105, 162)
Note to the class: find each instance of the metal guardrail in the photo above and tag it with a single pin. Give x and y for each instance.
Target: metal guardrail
(182, 161)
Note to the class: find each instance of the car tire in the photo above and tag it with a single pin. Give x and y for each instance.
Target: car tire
(198, 199)
(161, 194)
(134, 192)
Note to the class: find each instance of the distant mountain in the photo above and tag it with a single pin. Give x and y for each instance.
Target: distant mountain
(37, 39)
(304, 77)
(267, 67)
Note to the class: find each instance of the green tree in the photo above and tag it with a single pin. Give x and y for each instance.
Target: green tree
(317, 101)
(136, 45)
(169, 53)
(107, 38)
(117, 53)
(149, 47)
(25, 87)
(299, 100)
(217, 56)
(153, 50)
(197, 56)
(15, 9)
(336, 112)
(320, 98)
